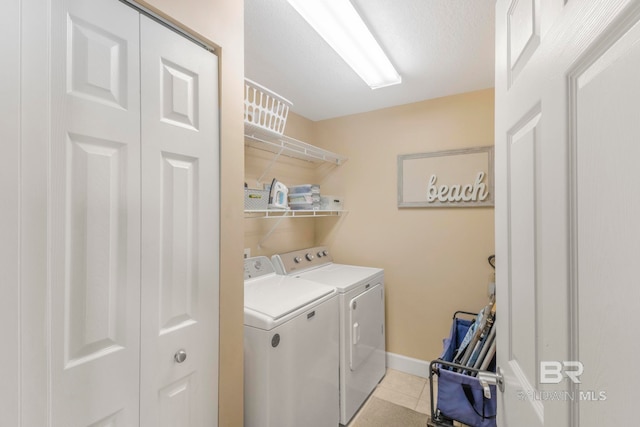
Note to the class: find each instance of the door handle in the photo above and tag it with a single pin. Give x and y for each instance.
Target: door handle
(356, 333)
(489, 378)
(180, 356)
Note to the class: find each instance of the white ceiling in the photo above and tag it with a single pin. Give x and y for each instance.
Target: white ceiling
(439, 47)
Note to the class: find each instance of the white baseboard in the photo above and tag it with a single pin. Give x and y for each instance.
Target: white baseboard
(408, 365)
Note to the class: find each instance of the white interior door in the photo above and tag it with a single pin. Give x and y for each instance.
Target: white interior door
(94, 214)
(567, 238)
(179, 231)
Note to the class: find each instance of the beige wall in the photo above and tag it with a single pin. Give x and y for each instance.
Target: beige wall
(290, 233)
(221, 22)
(435, 259)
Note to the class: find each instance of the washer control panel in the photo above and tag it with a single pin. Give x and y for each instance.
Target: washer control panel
(257, 266)
(301, 259)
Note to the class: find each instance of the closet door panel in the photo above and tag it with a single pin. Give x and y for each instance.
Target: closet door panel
(180, 230)
(94, 214)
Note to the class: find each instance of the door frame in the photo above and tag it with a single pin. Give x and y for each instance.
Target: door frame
(10, 213)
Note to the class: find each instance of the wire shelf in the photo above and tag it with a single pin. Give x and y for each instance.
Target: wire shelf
(276, 213)
(287, 146)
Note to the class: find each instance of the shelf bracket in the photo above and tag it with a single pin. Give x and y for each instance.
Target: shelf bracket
(268, 168)
(272, 229)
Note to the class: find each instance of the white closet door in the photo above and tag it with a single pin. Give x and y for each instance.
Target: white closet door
(179, 230)
(94, 215)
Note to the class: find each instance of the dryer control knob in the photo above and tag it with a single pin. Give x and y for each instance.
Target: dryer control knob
(297, 259)
(320, 255)
(325, 253)
(309, 256)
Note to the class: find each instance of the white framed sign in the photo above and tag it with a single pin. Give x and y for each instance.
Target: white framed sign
(453, 178)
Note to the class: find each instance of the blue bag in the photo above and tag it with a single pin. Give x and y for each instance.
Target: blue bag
(460, 396)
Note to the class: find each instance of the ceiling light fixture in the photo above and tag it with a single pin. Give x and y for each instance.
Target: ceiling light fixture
(339, 24)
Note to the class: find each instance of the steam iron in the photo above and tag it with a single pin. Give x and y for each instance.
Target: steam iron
(278, 195)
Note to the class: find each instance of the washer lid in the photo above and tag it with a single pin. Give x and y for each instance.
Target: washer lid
(342, 276)
(274, 296)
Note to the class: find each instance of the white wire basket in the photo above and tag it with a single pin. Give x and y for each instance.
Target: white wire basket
(264, 109)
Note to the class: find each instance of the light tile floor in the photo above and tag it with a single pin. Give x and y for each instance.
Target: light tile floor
(405, 390)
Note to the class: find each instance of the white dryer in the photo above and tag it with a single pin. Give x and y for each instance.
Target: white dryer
(362, 328)
(290, 349)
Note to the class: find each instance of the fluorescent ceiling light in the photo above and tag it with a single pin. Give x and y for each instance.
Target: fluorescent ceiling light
(339, 24)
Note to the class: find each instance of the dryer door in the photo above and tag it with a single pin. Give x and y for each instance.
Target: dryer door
(366, 316)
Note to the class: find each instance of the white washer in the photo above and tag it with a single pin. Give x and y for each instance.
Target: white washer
(362, 329)
(290, 349)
